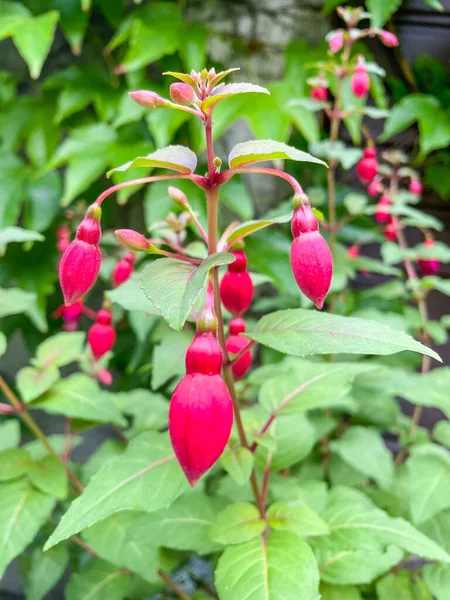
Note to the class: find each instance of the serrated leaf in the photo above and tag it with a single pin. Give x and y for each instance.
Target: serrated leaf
(238, 463)
(145, 477)
(45, 571)
(297, 518)
(100, 580)
(173, 286)
(80, 397)
(282, 566)
(244, 229)
(23, 511)
(303, 332)
(248, 153)
(237, 523)
(428, 470)
(60, 349)
(229, 90)
(176, 158)
(32, 382)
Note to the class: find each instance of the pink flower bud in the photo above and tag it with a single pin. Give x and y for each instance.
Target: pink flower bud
(177, 196)
(182, 93)
(336, 41)
(235, 343)
(319, 93)
(62, 245)
(311, 261)
(382, 214)
(390, 231)
(63, 232)
(360, 81)
(101, 336)
(374, 188)
(388, 39)
(367, 167)
(132, 240)
(148, 99)
(429, 266)
(80, 263)
(123, 269)
(353, 251)
(415, 187)
(105, 377)
(236, 288)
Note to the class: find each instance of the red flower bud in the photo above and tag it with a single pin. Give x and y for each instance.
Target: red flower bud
(148, 99)
(311, 259)
(367, 167)
(374, 188)
(236, 288)
(133, 240)
(235, 343)
(123, 269)
(360, 81)
(383, 215)
(336, 41)
(429, 266)
(201, 410)
(390, 231)
(101, 336)
(80, 263)
(319, 93)
(353, 251)
(182, 93)
(388, 39)
(415, 187)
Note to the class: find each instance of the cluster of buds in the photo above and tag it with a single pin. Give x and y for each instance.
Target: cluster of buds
(123, 269)
(311, 261)
(201, 409)
(102, 335)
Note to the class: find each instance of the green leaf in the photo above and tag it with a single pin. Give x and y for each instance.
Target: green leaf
(149, 410)
(436, 283)
(401, 585)
(49, 476)
(43, 194)
(228, 90)
(17, 234)
(33, 38)
(163, 125)
(283, 566)
(112, 541)
(173, 286)
(348, 157)
(244, 229)
(428, 470)
(437, 578)
(297, 518)
(238, 463)
(176, 158)
(145, 477)
(355, 203)
(23, 511)
(73, 20)
(309, 386)
(248, 153)
(168, 357)
(338, 592)
(130, 296)
(305, 332)
(382, 10)
(441, 433)
(237, 197)
(3, 343)
(193, 49)
(365, 451)
(12, 180)
(183, 526)
(60, 349)
(9, 434)
(45, 571)
(237, 523)
(13, 463)
(99, 580)
(14, 301)
(32, 382)
(80, 397)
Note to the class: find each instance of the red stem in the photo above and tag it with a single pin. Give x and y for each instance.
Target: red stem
(227, 175)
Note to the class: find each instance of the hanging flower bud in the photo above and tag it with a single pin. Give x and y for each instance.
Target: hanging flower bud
(374, 188)
(133, 240)
(235, 343)
(360, 81)
(382, 214)
(80, 262)
(367, 167)
(319, 93)
(71, 315)
(336, 41)
(104, 376)
(415, 187)
(123, 269)
(201, 410)
(429, 266)
(236, 288)
(101, 336)
(311, 259)
(390, 40)
(353, 251)
(390, 231)
(148, 99)
(177, 196)
(182, 93)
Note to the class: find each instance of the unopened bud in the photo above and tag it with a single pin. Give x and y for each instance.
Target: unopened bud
(336, 41)
(415, 187)
(182, 93)
(236, 288)
(148, 99)
(390, 40)
(123, 269)
(177, 196)
(101, 336)
(360, 82)
(133, 240)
